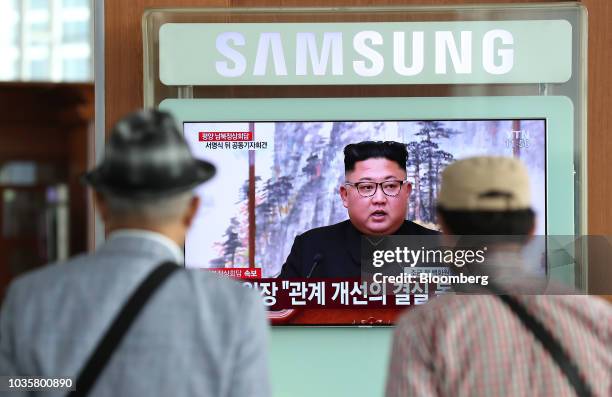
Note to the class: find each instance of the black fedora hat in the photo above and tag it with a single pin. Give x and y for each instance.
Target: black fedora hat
(146, 157)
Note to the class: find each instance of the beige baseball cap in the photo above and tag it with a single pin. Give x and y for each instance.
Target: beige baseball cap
(485, 183)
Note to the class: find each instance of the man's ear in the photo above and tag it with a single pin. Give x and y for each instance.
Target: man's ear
(447, 238)
(443, 227)
(192, 209)
(344, 195)
(408, 189)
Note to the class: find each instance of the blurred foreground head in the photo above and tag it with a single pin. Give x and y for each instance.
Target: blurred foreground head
(486, 196)
(147, 175)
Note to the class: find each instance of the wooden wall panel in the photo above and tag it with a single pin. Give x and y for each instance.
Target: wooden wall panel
(600, 116)
(600, 136)
(367, 3)
(45, 123)
(123, 51)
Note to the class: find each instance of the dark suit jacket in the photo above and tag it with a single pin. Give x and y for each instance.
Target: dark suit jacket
(335, 249)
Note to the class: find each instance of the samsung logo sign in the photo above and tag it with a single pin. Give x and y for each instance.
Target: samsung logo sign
(457, 52)
(327, 56)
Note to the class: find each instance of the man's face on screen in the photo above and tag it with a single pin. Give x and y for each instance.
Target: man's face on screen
(379, 214)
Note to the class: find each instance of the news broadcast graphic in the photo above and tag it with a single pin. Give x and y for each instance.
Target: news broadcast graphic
(297, 168)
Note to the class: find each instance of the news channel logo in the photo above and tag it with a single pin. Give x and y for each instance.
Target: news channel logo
(517, 139)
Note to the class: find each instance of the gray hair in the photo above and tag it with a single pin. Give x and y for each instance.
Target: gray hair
(155, 211)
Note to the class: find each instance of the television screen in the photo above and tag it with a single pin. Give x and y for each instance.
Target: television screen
(294, 170)
(297, 168)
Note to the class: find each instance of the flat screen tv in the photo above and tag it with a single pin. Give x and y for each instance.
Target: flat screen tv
(280, 166)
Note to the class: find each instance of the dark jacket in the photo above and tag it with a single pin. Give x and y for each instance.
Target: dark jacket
(335, 250)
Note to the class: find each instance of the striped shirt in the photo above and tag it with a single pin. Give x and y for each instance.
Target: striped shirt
(474, 345)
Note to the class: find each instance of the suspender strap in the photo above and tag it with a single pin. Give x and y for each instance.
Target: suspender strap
(550, 343)
(120, 326)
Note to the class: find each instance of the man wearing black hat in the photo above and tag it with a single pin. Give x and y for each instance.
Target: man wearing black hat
(127, 320)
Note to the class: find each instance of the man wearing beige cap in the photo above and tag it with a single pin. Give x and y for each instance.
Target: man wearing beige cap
(499, 345)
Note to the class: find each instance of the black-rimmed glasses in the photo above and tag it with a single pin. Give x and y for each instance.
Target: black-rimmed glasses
(368, 189)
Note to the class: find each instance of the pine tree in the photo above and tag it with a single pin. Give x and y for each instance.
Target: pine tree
(232, 242)
(433, 159)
